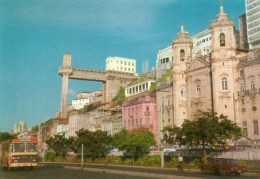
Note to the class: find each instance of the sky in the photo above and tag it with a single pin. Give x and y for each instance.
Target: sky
(35, 34)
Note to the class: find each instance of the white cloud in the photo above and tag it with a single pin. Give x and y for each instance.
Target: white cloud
(71, 92)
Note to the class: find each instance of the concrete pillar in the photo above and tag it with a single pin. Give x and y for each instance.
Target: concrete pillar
(65, 72)
(64, 95)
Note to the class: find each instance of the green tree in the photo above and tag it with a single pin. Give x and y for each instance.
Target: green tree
(59, 145)
(171, 135)
(135, 144)
(210, 129)
(95, 143)
(35, 128)
(6, 136)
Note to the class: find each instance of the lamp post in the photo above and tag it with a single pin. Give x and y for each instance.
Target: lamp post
(161, 130)
(82, 151)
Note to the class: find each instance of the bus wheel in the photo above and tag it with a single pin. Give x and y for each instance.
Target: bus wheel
(9, 168)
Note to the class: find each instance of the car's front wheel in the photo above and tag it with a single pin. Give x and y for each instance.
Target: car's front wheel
(222, 172)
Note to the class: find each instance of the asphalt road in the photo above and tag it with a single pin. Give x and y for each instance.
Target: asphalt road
(71, 171)
(58, 172)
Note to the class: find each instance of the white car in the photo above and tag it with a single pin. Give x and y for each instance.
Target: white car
(174, 148)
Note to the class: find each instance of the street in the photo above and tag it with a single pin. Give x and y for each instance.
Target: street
(57, 172)
(64, 171)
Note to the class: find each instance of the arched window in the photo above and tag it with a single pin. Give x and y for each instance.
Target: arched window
(198, 90)
(182, 55)
(242, 87)
(183, 94)
(224, 83)
(252, 85)
(256, 130)
(222, 40)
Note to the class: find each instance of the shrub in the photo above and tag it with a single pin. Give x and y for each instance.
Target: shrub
(50, 156)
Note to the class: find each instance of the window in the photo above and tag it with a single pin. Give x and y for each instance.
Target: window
(224, 83)
(198, 90)
(241, 73)
(255, 123)
(183, 94)
(252, 85)
(242, 88)
(222, 40)
(182, 55)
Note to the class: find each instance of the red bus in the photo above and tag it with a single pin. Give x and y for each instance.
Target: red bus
(19, 153)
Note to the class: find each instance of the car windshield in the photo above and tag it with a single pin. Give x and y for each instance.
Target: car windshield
(233, 161)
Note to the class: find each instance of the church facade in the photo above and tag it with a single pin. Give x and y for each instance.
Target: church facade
(213, 81)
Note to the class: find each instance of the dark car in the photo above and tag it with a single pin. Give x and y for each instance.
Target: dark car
(223, 167)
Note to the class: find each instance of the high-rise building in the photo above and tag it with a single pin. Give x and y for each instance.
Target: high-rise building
(243, 41)
(253, 23)
(20, 127)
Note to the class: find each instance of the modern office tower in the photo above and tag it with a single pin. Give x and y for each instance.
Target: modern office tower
(20, 127)
(253, 23)
(243, 41)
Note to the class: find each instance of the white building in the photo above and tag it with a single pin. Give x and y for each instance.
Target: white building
(63, 129)
(20, 127)
(164, 61)
(121, 64)
(138, 88)
(85, 98)
(253, 23)
(201, 43)
(164, 57)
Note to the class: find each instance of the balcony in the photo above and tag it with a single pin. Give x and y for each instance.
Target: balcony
(197, 100)
(147, 113)
(224, 94)
(169, 107)
(252, 92)
(241, 93)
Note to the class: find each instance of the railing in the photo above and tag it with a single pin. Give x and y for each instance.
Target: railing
(241, 93)
(252, 92)
(62, 68)
(89, 70)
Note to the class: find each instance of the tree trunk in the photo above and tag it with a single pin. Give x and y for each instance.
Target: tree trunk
(204, 154)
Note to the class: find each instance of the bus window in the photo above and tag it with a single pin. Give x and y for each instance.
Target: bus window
(30, 147)
(19, 147)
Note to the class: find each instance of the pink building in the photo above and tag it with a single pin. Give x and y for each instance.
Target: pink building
(140, 112)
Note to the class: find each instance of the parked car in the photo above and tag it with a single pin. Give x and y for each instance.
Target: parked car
(174, 148)
(155, 148)
(223, 167)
